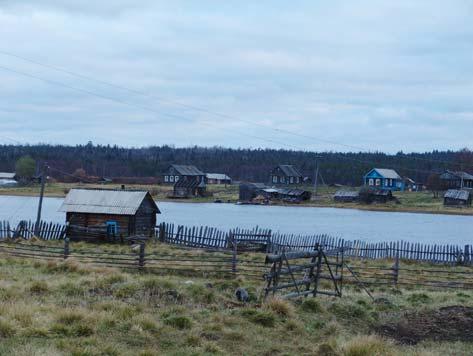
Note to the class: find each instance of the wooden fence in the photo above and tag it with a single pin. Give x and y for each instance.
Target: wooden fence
(25, 229)
(213, 238)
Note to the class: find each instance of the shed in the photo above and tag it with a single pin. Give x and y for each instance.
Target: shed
(189, 187)
(107, 214)
(218, 178)
(371, 195)
(454, 197)
(249, 191)
(346, 196)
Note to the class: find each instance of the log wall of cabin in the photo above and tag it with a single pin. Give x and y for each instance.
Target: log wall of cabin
(91, 220)
(145, 218)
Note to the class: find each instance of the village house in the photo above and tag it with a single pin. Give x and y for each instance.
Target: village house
(106, 214)
(454, 197)
(285, 174)
(456, 180)
(218, 178)
(383, 179)
(178, 171)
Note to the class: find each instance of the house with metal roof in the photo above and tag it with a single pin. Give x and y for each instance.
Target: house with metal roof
(383, 179)
(285, 174)
(176, 172)
(455, 197)
(108, 214)
(456, 180)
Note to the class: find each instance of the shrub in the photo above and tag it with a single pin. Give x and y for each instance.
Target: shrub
(367, 346)
(6, 329)
(69, 317)
(311, 305)
(280, 307)
(179, 322)
(38, 287)
(264, 318)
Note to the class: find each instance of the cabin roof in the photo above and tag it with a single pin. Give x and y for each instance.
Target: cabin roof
(7, 175)
(456, 175)
(219, 176)
(289, 170)
(457, 194)
(188, 170)
(105, 201)
(386, 173)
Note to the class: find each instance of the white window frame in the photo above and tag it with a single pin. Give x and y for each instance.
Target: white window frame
(176, 179)
(171, 179)
(275, 179)
(371, 182)
(291, 180)
(378, 182)
(166, 179)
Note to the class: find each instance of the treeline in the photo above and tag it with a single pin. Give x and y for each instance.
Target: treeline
(241, 164)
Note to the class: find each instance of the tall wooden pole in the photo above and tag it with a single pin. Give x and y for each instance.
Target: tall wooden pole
(316, 176)
(41, 194)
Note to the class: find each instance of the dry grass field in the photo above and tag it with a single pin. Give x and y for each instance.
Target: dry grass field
(68, 308)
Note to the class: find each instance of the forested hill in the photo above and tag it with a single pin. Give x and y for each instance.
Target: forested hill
(241, 164)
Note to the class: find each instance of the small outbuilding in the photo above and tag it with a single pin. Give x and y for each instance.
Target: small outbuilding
(346, 196)
(218, 178)
(106, 214)
(454, 197)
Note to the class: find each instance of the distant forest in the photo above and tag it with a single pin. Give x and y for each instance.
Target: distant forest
(251, 165)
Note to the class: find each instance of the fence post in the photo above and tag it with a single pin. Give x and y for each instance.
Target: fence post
(234, 252)
(268, 243)
(467, 255)
(141, 261)
(162, 232)
(396, 269)
(66, 248)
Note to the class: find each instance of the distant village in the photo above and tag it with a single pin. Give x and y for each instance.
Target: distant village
(287, 184)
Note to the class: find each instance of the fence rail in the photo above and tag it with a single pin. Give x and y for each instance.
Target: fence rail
(217, 239)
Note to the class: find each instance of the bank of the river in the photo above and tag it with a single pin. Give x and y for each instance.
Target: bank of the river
(412, 202)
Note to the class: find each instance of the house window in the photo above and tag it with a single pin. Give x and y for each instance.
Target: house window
(166, 179)
(371, 182)
(275, 179)
(176, 179)
(171, 179)
(112, 228)
(291, 180)
(283, 180)
(297, 180)
(378, 182)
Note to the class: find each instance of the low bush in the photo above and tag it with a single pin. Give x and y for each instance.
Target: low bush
(179, 322)
(38, 287)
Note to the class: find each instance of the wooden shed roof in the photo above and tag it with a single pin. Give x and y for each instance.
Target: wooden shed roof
(457, 194)
(187, 170)
(105, 201)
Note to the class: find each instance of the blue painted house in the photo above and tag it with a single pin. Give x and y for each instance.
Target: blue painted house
(384, 179)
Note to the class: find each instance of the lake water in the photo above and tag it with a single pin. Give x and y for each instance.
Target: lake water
(349, 224)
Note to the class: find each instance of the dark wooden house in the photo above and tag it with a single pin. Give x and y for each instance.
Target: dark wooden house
(176, 172)
(454, 197)
(456, 180)
(109, 214)
(188, 187)
(285, 174)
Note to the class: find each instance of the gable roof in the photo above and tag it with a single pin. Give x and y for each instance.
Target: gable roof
(457, 194)
(289, 170)
(105, 201)
(386, 173)
(456, 175)
(187, 170)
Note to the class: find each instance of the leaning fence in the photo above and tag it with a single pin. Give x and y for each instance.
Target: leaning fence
(257, 239)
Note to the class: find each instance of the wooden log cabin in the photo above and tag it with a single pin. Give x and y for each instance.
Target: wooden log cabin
(105, 214)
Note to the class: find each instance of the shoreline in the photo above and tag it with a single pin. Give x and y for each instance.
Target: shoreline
(373, 208)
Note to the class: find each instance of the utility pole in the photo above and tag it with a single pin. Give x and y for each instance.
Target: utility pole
(316, 176)
(41, 194)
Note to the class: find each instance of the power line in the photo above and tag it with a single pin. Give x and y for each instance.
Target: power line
(197, 108)
(109, 98)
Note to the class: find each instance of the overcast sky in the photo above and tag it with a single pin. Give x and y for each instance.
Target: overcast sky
(314, 75)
